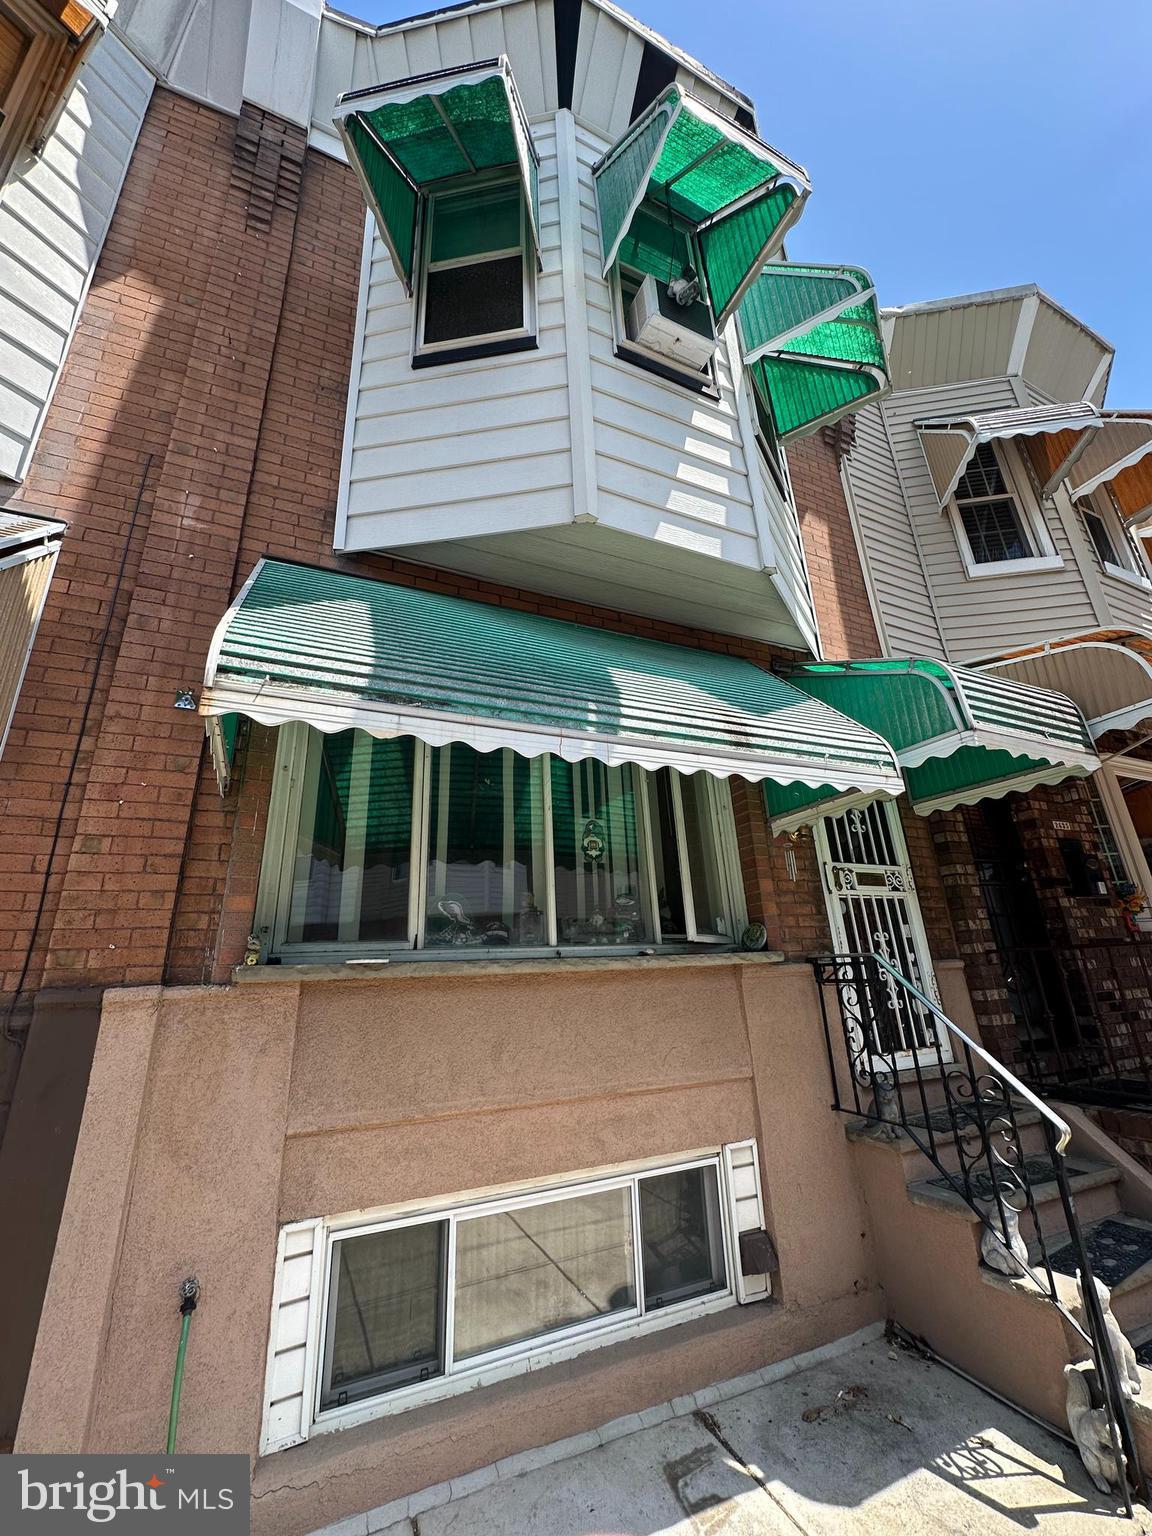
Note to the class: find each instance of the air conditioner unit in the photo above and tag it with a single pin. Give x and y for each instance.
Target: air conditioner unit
(682, 333)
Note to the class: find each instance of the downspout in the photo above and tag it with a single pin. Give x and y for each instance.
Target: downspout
(189, 1296)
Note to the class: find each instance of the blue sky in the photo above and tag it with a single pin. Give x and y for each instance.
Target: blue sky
(953, 148)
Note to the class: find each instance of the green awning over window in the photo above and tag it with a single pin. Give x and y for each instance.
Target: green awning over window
(337, 651)
(738, 195)
(404, 137)
(812, 343)
(960, 736)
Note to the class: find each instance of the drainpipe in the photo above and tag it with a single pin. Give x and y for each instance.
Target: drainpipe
(189, 1296)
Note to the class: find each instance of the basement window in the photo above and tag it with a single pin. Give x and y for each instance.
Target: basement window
(476, 292)
(463, 1289)
(376, 846)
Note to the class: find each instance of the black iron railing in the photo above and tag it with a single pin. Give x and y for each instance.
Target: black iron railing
(1083, 1016)
(965, 1111)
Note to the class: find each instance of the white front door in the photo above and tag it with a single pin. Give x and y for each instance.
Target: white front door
(873, 909)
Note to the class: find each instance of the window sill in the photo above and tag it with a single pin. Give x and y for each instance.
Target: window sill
(1133, 578)
(1014, 567)
(485, 965)
(468, 353)
(674, 375)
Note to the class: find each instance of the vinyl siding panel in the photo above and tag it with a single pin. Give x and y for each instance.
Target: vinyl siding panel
(987, 613)
(54, 215)
(889, 544)
(1062, 357)
(668, 460)
(933, 347)
(464, 448)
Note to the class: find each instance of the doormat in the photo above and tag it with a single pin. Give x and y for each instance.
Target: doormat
(1038, 1169)
(1115, 1251)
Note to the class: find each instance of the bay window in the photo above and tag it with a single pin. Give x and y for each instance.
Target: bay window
(382, 845)
(450, 1293)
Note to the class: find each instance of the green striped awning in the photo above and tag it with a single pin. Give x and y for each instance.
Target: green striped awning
(812, 343)
(738, 195)
(336, 651)
(960, 736)
(407, 135)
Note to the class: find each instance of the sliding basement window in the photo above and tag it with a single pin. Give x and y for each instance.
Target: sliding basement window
(449, 1294)
(381, 845)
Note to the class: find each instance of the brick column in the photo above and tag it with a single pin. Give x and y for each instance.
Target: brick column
(122, 874)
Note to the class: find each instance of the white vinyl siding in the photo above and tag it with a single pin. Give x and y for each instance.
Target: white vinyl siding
(55, 210)
(473, 447)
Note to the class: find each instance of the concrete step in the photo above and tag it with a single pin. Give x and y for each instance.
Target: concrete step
(916, 1148)
(1093, 1185)
(1120, 1251)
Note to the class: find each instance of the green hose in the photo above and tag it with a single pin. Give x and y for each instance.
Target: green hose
(189, 1295)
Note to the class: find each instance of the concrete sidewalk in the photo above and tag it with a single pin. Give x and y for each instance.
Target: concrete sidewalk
(875, 1441)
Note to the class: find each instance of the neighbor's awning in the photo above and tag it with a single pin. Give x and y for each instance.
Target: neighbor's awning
(338, 651)
(812, 343)
(407, 135)
(739, 195)
(960, 736)
(28, 550)
(1108, 672)
(1120, 456)
(950, 441)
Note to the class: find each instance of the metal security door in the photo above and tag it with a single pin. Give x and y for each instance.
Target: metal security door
(873, 909)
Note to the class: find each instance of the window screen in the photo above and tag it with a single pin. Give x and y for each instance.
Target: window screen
(474, 282)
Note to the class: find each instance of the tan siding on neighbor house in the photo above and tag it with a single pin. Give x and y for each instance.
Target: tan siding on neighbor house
(889, 544)
(987, 613)
(1062, 357)
(969, 341)
(23, 589)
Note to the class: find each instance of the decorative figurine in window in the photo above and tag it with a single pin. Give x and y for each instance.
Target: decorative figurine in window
(593, 840)
(626, 917)
(454, 926)
(529, 921)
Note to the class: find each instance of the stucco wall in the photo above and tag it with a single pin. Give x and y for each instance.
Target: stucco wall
(214, 1113)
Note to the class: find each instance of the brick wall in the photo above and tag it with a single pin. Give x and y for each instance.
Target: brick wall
(843, 611)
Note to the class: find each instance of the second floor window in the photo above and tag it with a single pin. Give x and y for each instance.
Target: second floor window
(989, 512)
(1114, 546)
(476, 289)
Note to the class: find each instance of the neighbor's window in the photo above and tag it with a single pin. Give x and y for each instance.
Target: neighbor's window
(1109, 538)
(408, 1303)
(39, 53)
(476, 286)
(989, 513)
(390, 844)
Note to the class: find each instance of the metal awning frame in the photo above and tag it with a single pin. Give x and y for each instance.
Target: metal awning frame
(360, 103)
(862, 295)
(991, 426)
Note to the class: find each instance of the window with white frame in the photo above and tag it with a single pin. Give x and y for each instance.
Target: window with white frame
(989, 511)
(389, 844)
(376, 1313)
(476, 280)
(1114, 546)
(1110, 854)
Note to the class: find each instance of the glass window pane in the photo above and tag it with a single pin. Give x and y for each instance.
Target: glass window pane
(385, 1315)
(654, 244)
(599, 895)
(666, 856)
(994, 531)
(351, 875)
(483, 298)
(540, 1268)
(486, 876)
(709, 901)
(681, 1236)
(478, 222)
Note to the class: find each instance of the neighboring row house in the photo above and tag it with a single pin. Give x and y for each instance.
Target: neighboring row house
(998, 509)
(446, 716)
